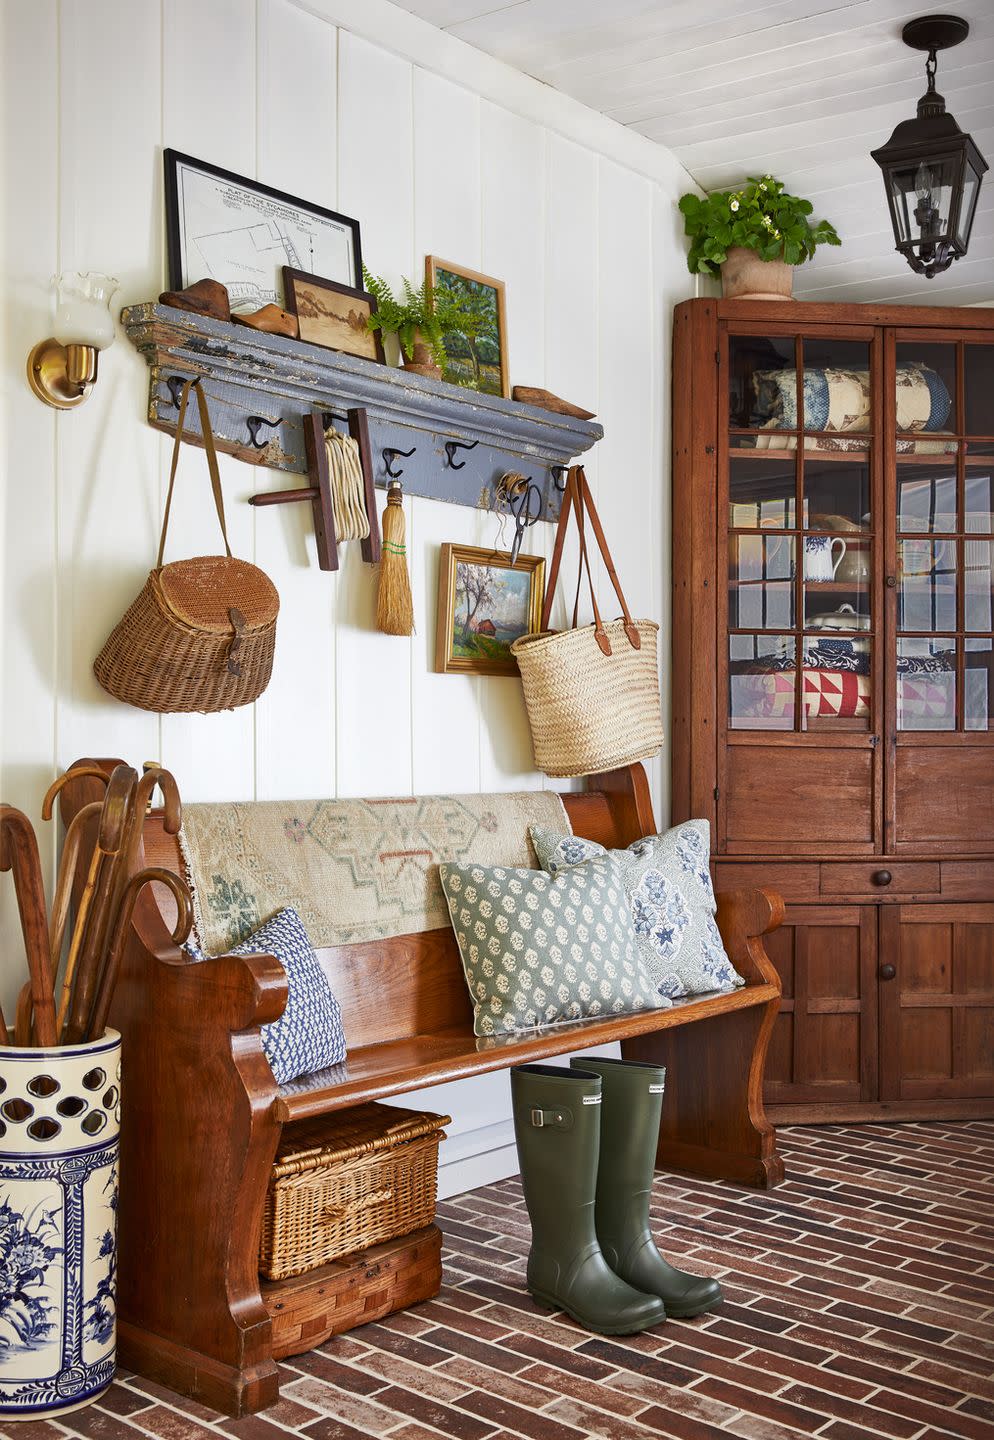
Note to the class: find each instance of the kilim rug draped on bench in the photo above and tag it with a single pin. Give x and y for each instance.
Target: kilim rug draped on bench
(353, 870)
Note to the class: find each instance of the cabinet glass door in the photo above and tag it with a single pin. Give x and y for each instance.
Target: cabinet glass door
(800, 550)
(801, 534)
(941, 573)
(945, 537)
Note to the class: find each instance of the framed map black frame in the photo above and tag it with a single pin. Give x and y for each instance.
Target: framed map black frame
(204, 239)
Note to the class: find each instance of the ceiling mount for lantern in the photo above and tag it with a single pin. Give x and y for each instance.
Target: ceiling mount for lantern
(932, 170)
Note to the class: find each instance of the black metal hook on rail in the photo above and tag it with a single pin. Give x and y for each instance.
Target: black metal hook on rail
(390, 454)
(174, 384)
(254, 424)
(558, 473)
(451, 446)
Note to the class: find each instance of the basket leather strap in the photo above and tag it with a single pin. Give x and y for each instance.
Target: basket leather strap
(208, 438)
(578, 498)
(631, 629)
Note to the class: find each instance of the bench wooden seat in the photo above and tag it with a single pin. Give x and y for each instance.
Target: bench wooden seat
(202, 1114)
(376, 1071)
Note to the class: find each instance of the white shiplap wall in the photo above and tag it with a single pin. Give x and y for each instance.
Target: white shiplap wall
(435, 148)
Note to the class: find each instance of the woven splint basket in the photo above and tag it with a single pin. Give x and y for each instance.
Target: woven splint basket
(343, 1184)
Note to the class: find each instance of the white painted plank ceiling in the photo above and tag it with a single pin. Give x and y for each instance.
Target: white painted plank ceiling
(803, 89)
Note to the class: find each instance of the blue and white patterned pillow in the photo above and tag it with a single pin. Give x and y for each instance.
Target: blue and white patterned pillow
(668, 883)
(309, 1034)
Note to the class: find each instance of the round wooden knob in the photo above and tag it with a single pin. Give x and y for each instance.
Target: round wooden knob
(887, 972)
(882, 877)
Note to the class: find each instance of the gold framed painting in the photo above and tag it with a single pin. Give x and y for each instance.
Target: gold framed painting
(476, 358)
(484, 603)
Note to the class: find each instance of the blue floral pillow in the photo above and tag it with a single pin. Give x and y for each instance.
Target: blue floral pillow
(668, 883)
(309, 1035)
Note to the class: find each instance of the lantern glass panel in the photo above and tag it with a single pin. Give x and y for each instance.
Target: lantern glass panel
(968, 204)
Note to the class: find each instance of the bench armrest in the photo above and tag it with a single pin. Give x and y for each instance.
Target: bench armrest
(744, 917)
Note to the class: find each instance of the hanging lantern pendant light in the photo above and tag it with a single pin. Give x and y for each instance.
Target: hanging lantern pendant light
(932, 170)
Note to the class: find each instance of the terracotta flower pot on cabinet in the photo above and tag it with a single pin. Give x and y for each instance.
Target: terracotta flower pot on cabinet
(745, 276)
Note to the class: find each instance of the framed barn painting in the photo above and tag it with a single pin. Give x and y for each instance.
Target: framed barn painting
(485, 603)
(476, 356)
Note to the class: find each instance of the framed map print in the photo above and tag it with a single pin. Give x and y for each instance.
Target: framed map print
(223, 227)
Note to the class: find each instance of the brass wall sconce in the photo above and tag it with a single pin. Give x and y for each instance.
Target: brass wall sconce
(63, 369)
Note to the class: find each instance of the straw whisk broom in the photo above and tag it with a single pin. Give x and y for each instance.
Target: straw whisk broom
(394, 607)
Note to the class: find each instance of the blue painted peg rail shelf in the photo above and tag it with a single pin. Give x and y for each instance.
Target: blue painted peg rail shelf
(260, 387)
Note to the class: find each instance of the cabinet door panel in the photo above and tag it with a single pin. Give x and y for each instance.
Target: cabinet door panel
(937, 1013)
(945, 794)
(783, 797)
(824, 1043)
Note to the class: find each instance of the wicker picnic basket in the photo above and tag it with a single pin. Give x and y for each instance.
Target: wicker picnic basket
(368, 1175)
(201, 634)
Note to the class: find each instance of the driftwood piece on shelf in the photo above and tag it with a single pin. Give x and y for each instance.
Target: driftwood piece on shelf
(545, 400)
(260, 388)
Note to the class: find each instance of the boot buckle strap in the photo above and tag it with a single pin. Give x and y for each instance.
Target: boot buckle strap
(555, 1119)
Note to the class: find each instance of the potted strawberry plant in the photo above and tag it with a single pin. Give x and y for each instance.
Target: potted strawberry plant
(753, 237)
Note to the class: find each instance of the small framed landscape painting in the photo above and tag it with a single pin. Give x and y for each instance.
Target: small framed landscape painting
(332, 315)
(477, 356)
(484, 603)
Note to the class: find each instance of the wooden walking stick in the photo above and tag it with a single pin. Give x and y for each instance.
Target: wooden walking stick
(132, 889)
(67, 873)
(153, 778)
(93, 916)
(19, 853)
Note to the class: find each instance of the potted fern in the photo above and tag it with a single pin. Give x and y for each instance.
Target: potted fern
(753, 236)
(420, 319)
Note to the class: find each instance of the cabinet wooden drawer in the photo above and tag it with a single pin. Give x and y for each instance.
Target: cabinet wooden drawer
(881, 877)
(798, 883)
(968, 879)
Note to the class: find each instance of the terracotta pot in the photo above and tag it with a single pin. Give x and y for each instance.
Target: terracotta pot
(421, 362)
(744, 276)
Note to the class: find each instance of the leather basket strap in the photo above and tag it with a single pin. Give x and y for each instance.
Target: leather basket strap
(208, 438)
(631, 629)
(571, 501)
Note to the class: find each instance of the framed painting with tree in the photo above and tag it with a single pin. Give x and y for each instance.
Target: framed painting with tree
(485, 603)
(476, 351)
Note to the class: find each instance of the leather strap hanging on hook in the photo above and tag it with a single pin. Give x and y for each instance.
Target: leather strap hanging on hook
(579, 499)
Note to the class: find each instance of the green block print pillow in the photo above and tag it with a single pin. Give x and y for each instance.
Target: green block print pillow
(668, 884)
(542, 949)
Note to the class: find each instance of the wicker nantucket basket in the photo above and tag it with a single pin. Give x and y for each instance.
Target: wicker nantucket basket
(366, 1176)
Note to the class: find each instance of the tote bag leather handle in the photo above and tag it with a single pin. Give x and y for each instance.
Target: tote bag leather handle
(208, 436)
(578, 497)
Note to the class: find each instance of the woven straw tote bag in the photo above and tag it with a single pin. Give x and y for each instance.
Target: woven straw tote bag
(592, 693)
(202, 632)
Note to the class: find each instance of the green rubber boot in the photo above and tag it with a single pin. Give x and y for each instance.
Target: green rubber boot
(632, 1096)
(557, 1127)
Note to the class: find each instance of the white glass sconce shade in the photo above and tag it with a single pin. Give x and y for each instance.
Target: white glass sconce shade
(82, 315)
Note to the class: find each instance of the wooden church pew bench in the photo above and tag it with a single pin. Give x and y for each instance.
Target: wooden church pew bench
(202, 1114)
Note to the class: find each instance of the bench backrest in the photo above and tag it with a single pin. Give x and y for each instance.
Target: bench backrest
(413, 984)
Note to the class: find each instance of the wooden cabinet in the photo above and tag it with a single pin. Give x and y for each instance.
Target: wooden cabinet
(833, 680)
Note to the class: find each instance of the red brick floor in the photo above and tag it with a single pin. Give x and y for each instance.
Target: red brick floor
(860, 1303)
